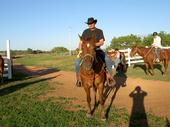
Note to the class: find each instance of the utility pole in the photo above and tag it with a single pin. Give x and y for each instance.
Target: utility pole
(69, 39)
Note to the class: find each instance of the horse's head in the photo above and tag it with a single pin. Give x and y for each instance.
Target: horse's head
(134, 50)
(88, 52)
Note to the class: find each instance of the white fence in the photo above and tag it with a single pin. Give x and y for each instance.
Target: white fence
(136, 59)
(7, 62)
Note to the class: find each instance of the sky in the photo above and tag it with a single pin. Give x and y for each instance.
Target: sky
(45, 24)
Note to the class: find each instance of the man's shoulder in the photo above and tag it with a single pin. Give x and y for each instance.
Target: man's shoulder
(97, 29)
(86, 30)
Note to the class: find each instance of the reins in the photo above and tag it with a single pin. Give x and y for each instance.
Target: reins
(86, 56)
(148, 52)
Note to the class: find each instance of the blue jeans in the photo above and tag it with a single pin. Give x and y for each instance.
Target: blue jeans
(77, 63)
(109, 63)
(157, 51)
(116, 61)
(107, 60)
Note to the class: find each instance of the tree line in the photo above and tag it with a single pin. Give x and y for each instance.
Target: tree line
(128, 41)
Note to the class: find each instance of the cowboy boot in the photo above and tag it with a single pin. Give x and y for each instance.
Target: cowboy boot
(78, 82)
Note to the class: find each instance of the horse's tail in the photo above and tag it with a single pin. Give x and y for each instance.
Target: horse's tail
(168, 54)
(165, 53)
(123, 61)
(122, 58)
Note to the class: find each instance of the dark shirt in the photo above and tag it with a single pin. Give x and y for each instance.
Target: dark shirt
(88, 34)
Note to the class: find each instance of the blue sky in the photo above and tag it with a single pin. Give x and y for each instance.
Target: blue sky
(44, 24)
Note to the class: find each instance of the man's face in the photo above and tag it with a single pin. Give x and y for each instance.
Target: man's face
(91, 26)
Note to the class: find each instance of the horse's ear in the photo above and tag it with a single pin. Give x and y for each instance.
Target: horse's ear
(80, 37)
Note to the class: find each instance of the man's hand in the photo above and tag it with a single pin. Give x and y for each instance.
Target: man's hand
(79, 54)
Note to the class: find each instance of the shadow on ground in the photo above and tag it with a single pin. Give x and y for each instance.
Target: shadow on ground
(120, 79)
(138, 117)
(142, 66)
(21, 72)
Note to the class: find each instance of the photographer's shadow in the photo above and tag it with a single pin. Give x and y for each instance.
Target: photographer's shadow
(138, 116)
(120, 81)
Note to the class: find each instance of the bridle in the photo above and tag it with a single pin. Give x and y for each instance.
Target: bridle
(87, 55)
(135, 50)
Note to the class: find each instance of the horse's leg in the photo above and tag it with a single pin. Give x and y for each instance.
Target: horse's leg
(165, 66)
(94, 91)
(163, 62)
(146, 71)
(87, 89)
(95, 104)
(101, 99)
(152, 68)
(1, 77)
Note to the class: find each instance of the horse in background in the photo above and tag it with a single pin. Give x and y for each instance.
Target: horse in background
(122, 65)
(149, 57)
(92, 74)
(1, 68)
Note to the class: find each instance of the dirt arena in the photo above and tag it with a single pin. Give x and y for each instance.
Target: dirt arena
(154, 95)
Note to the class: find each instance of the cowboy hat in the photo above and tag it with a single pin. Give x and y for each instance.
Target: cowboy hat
(91, 20)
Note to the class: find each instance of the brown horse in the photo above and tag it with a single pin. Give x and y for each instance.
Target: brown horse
(1, 68)
(92, 74)
(149, 56)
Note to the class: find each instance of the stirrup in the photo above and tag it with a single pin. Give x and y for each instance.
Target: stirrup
(157, 60)
(111, 82)
(78, 83)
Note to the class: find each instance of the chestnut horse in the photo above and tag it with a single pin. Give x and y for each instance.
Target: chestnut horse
(1, 68)
(149, 56)
(92, 74)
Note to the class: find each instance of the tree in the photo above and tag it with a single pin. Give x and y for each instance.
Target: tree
(148, 40)
(29, 50)
(128, 41)
(59, 50)
(165, 38)
(124, 41)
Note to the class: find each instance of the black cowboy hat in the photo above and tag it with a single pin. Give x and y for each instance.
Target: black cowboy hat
(91, 20)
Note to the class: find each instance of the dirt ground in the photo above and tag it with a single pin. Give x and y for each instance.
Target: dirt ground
(152, 96)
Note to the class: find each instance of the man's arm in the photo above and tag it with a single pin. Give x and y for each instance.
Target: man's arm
(100, 43)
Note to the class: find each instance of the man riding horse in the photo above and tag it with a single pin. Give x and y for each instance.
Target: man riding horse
(91, 22)
(157, 45)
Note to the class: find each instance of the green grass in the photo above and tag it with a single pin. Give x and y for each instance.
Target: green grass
(21, 106)
(67, 63)
(138, 71)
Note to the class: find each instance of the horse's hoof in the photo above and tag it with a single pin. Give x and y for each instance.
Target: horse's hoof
(89, 115)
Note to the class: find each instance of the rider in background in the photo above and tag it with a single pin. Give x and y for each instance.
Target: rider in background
(117, 58)
(87, 33)
(157, 45)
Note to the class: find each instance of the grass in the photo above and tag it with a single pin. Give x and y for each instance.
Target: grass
(67, 63)
(138, 71)
(21, 106)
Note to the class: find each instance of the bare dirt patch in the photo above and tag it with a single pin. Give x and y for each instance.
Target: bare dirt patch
(156, 99)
